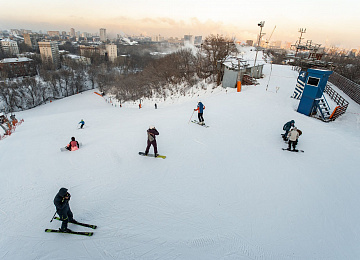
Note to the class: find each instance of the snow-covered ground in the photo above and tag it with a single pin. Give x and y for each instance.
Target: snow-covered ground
(224, 192)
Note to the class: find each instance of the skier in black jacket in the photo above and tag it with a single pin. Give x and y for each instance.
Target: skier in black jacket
(61, 202)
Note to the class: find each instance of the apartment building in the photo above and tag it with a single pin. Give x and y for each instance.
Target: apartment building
(9, 47)
(49, 52)
(111, 52)
(17, 67)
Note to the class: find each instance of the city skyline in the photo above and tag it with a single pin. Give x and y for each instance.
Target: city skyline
(330, 23)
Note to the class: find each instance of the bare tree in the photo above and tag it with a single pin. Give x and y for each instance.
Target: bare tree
(216, 48)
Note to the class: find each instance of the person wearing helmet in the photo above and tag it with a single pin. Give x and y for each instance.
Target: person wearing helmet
(287, 128)
(73, 145)
(152, 132)
(61, 202)
(200, 108)
(82, 123)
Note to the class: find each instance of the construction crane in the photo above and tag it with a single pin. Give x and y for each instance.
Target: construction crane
(268, 40)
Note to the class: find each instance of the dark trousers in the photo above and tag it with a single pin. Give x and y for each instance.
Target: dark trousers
(285, 135)
(65, 218)
(200, 116)
(293, 144)
(148, 147)
(81, 126)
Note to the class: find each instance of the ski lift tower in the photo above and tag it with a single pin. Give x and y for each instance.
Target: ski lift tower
(301, 31)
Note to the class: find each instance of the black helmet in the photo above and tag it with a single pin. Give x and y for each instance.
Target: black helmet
(62, 192)
(72, 138)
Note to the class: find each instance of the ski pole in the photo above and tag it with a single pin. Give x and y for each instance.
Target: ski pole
(53, 217)
(191, 116)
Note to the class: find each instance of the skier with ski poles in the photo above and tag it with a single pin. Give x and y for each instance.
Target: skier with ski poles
(61, 202)
(200, 108)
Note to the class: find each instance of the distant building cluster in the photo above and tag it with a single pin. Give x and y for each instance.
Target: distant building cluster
(19, 46)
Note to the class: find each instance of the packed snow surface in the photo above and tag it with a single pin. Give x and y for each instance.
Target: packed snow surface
(224, 192)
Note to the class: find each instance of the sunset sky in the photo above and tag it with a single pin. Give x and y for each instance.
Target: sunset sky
(331, 23)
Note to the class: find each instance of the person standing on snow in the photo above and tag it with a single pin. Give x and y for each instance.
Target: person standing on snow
(73, 145)
(293, 137)
(200, 108)
(152, 132)
(61, 202)
(82, 123)
(287, 128)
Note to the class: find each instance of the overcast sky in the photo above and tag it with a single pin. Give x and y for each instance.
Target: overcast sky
(329, 22)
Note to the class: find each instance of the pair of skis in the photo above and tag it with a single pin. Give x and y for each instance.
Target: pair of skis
(74, 232)
(197, 122)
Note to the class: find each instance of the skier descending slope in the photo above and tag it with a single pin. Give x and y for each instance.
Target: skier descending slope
(152, 132)
(61, 202)
(200, 108)
(82, 123)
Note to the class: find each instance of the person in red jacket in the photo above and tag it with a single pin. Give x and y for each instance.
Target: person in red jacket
(73, 145)
(152, 132)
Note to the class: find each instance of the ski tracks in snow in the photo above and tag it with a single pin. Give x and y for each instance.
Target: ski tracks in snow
(235, 247)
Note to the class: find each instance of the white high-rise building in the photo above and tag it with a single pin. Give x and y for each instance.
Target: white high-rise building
(49, 52)
(103, 34)
(111, 50)
(10, 47)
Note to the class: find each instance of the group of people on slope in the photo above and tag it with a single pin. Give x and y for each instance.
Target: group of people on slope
(291, 134)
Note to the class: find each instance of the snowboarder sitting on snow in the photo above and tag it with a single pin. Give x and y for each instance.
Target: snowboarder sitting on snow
(293, 136)
(82, 123)
(61, 202)
(200, 108)
(287, 128)
(152, 132)
(73, 145)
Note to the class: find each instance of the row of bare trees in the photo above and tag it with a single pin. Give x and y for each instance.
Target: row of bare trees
(185, 66)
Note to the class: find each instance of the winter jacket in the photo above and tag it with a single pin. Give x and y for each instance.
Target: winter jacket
(288, 125)
(293, 135)
(61, 204)
(200, 107)
(82, 122)
(74, 145)
(151, 134)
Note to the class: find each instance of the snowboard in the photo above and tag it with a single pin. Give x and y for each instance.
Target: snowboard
(296, 150)
(152, 155)
(63, 149)
(197, 122)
